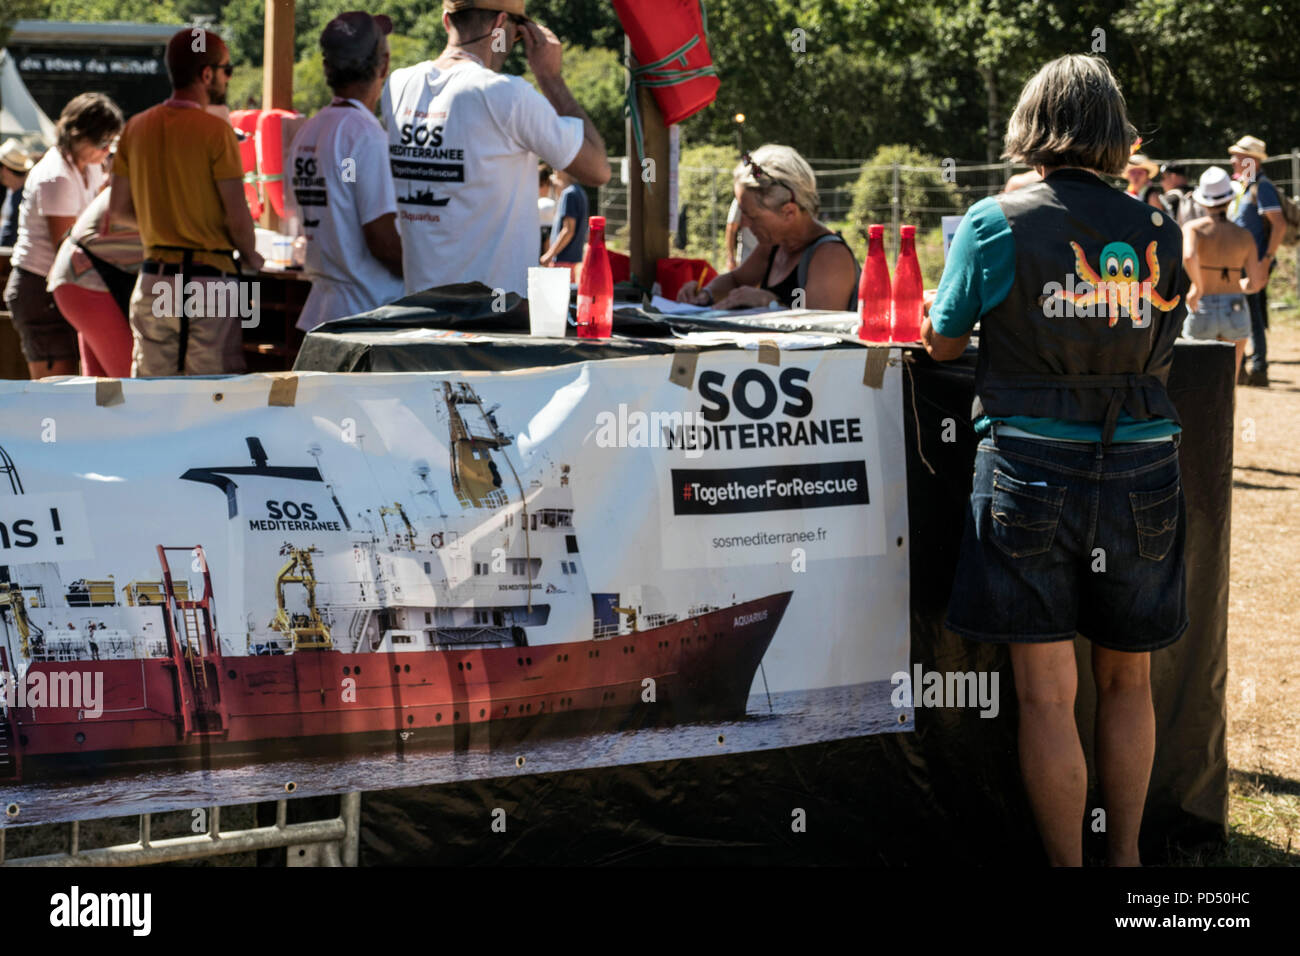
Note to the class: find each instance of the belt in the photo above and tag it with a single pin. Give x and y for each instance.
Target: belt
(1010, 431)
(154, 267)
(186, 267)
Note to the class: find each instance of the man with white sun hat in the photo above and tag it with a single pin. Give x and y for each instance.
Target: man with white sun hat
(1216, 254)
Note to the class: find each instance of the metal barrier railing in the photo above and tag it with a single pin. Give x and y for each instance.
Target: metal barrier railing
(329, 842)
(920, 195)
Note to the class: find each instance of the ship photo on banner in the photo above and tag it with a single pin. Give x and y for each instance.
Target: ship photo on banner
(392, 580)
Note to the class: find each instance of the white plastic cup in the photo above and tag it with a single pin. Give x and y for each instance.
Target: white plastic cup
(548, 301)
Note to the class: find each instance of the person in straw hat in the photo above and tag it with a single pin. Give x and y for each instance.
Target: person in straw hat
(1258, 210)
(1215, 254)
(1141, 174)
(14, 164)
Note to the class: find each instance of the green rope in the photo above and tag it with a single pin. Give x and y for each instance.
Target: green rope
(656, 74)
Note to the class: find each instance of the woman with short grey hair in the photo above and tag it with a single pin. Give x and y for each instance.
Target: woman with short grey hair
(1076, 521)
(799, 262)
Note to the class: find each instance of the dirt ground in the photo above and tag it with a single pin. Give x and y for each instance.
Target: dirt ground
(1263, 636)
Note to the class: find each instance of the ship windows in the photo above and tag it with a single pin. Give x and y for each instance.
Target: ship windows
(428, 618)
(571, 543)
(519, 566)
(427, 568)
(555, 518)
(569, 567)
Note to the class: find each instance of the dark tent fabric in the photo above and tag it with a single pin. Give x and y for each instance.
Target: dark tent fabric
(948, 793)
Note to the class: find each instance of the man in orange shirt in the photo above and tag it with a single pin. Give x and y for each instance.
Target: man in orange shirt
(178, 177)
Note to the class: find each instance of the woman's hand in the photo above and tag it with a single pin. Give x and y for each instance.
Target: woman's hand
(746, 297)
(1193, 299)
(927, 300)
(693, 294)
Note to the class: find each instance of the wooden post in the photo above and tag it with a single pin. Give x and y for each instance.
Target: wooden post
(647, 202)
(277, 71)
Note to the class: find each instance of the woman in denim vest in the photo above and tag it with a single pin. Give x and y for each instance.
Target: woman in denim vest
(1076, 518)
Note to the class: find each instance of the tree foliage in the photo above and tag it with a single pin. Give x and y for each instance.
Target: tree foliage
(841, 78)
(924, 195)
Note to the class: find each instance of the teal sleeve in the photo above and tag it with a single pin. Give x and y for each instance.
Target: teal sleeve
(978, 274)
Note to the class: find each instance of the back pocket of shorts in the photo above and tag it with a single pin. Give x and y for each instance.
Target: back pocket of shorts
(1155, 515)
(1025, 516)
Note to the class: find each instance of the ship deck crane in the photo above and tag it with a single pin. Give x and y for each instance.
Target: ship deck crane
(307, 631)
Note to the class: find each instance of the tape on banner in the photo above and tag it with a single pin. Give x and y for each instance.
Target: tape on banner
(873, 374)
(108, 392)
(769, 353)
(284, 389)
(682, 371)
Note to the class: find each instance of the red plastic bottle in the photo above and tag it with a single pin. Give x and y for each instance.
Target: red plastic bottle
(908, 291)
(596, 286)
(873, 289)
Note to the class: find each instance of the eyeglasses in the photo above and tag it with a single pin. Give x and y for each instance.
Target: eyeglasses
(758, 172)
(226, 68)
(519, 22)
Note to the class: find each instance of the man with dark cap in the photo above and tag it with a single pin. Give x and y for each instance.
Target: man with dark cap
(178, 176)
(464, 140)
(341, 182)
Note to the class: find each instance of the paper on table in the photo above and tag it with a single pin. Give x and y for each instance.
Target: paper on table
(753, 340)
(669, 307)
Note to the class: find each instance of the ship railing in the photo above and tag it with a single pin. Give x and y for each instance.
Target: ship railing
(333, 841)
(601, 630)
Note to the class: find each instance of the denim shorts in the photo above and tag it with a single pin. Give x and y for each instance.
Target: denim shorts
(1224, 315)
(1064, 538)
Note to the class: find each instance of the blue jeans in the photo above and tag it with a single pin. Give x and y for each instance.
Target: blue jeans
(1064, 538)
(1258, 362)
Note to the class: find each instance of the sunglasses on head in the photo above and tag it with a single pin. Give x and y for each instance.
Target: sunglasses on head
(758, 172)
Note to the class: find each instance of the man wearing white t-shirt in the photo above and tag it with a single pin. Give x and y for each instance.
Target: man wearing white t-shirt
(464, 142)
(342, 188)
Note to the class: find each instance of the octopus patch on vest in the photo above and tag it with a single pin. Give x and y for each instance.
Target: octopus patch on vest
(1093, 293)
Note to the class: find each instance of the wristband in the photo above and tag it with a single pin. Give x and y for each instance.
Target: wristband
(709, 294)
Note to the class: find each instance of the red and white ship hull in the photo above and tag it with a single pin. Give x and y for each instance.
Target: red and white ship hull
(327, 701)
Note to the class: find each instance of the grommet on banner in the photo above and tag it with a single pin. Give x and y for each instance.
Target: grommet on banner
(108, 392)
(284, 389)
(519, 761)
(768, 352)
(873, 373)
(682, 371)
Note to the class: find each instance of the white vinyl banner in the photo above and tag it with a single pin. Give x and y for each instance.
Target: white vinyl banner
(589, 564)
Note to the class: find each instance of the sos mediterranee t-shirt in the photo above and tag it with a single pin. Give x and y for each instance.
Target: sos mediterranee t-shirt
(463, 144)
(339, 171)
